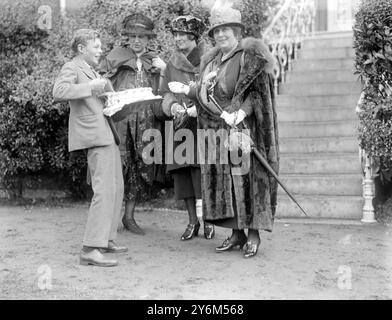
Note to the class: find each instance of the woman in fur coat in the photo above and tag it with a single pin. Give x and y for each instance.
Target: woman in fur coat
(238, 74)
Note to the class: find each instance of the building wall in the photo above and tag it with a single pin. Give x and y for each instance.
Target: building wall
(335, 15)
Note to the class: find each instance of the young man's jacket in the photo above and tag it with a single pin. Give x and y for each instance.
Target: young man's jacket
(88, 126)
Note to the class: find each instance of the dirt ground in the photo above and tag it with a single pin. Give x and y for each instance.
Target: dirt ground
(39, 249)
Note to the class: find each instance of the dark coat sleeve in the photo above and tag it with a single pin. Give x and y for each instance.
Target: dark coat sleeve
(168, 97)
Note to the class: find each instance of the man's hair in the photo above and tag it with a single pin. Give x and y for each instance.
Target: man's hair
(81, 36)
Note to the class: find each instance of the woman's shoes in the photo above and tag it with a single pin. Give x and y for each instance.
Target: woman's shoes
(192, 230)
(131, 225)
(209, 231)
(251, 248)
(232, 242)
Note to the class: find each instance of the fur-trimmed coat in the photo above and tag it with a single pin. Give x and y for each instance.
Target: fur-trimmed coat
(254, 194)
(120, 66)
(183, 69)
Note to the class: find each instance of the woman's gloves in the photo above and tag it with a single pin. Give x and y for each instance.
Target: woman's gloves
(158, 63)
(192, 112)
(178, 87)
(233, 119)
(176, 109)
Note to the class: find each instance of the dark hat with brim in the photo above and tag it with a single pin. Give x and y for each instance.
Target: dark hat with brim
(138, 23)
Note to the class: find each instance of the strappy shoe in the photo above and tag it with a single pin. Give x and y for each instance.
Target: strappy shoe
(209, 231)
(192, 230)
(251, 249)
(232, 242)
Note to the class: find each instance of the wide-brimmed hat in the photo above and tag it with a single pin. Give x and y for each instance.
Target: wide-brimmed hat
(224, 15)
(188, 24)
(138, 23)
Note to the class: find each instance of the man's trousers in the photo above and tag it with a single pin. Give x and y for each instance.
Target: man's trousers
(107, 182)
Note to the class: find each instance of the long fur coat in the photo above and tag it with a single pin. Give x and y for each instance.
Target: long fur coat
(254, 194)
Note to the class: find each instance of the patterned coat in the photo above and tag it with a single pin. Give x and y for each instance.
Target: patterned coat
(120, 66)
(254, 194)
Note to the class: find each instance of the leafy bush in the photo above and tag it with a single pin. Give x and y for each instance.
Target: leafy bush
(33, 130)
(373, 46)
(33, 136)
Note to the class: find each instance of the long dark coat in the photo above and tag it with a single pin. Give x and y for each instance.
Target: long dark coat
(120, 67)
(254, 194)
(182, 69)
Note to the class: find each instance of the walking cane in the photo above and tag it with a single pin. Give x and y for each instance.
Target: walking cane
(263, 161)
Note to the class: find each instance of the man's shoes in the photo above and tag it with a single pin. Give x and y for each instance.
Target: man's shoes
(96, 258)
(131, 225)
(114, 248)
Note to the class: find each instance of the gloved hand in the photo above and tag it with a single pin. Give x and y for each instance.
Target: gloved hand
(209, 78)
(97, 85)
(192, 112)
(178, 87)
(240, 117)
(158, 63)
(229, 118)
(176, 108)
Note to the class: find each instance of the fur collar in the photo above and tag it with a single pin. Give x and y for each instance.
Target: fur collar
(190, 63)
(181, 62)
(121, 56)
(251, 46)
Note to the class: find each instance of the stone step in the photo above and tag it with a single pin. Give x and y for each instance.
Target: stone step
(319, 144)
(328, 42)
(322, 53)
(320, 163)
(315, 114)
(322, 185)
(316, 89)
(338, 207)
(330, 34)
(348, 100)
(316, 76)
(317, 129)
(323, 64)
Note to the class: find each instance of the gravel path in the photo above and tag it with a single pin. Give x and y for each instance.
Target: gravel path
(39, 249)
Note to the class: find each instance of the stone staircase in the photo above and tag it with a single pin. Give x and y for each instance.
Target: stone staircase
(318, 131)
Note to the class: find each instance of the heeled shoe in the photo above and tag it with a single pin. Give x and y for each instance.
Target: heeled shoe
(192, 230)
(251, 249)
(209, 231)
(232, 242)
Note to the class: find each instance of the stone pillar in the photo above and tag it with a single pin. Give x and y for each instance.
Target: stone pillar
(63, 7)
(368, 215)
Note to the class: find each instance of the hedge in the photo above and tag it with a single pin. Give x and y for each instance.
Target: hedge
(373, 47)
